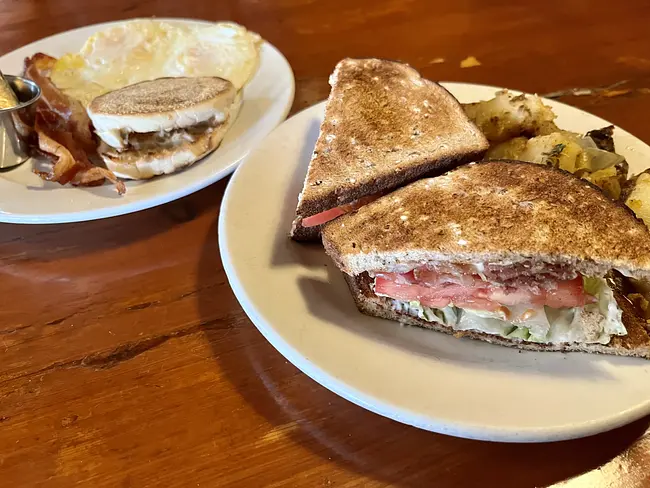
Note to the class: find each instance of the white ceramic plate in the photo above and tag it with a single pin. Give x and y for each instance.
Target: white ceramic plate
(28, 199)
(298, 299)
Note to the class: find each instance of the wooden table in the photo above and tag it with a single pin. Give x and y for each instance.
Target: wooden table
(125, 359)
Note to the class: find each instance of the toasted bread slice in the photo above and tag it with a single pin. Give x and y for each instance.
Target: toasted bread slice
(493, 212)
(160, 105)
(142, 165)
(147, 163)
(384, 126)
(636, 343)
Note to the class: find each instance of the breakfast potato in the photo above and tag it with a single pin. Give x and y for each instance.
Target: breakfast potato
(523, 128)
(556, 149)
(611, 179)
(510, 149)
(636, 194)
(507, 116)
(571, 152)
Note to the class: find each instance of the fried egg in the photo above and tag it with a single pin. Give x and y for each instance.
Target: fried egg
(147, 49)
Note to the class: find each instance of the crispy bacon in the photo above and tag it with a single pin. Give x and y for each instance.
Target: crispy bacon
(65, 166)
(62, 132)
(37, 69)
(71, 163)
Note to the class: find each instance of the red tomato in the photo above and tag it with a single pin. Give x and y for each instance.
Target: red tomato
(322, 217)
(435, 289)
(514, 296)
(436, 297)
(331, 214)
(570, 293)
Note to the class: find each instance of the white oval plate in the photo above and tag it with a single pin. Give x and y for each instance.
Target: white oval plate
(28, 199)
(299, 301)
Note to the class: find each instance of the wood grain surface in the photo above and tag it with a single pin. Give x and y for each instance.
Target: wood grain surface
(125, 359)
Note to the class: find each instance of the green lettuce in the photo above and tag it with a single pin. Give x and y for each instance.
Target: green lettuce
(593, 323)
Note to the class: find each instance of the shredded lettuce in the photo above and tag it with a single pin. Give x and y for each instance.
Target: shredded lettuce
(471, 321)
(593, 323)
(607, 307)
(593, 285)
(519, 333)
(445, 316)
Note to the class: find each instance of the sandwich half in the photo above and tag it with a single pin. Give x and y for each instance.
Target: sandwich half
(160, 126)
(384, 126)
(506, 252)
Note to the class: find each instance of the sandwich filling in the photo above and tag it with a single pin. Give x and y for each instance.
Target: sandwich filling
(332, 213)
(529, 302)
(123, 140)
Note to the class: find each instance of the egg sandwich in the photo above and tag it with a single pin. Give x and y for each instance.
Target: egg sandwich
(160, 126)
(511, 253)
(384, 126)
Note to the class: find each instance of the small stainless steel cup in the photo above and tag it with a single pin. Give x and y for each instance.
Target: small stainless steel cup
(14, 150)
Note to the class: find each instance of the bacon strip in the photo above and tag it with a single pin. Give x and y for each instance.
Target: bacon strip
(71, 163)
(62, 132)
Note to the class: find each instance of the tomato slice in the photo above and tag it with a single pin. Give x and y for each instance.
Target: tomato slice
(322, 217)
(402, 278)
(567, 294)
(331, 214)
(398, 290)
(514, 296)
(436, 289)
(436, 297)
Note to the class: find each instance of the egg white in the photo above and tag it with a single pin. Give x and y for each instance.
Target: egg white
(143, 50)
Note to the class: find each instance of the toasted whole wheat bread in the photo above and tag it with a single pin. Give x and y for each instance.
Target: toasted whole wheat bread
(300, 233)
(384, 126)
(147, 163)
(636, 343)
(162, 104)
(144, 164)
(502, 212)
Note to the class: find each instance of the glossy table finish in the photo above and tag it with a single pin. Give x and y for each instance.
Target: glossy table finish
(125, 359)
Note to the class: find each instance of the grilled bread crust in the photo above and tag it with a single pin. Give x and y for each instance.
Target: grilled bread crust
(504, 212)
(162, 104)
(384, 126)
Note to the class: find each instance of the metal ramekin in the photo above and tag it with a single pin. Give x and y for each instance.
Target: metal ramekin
(13, 149)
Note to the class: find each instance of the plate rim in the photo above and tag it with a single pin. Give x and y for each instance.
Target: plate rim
(170, 196)
(386, 409)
